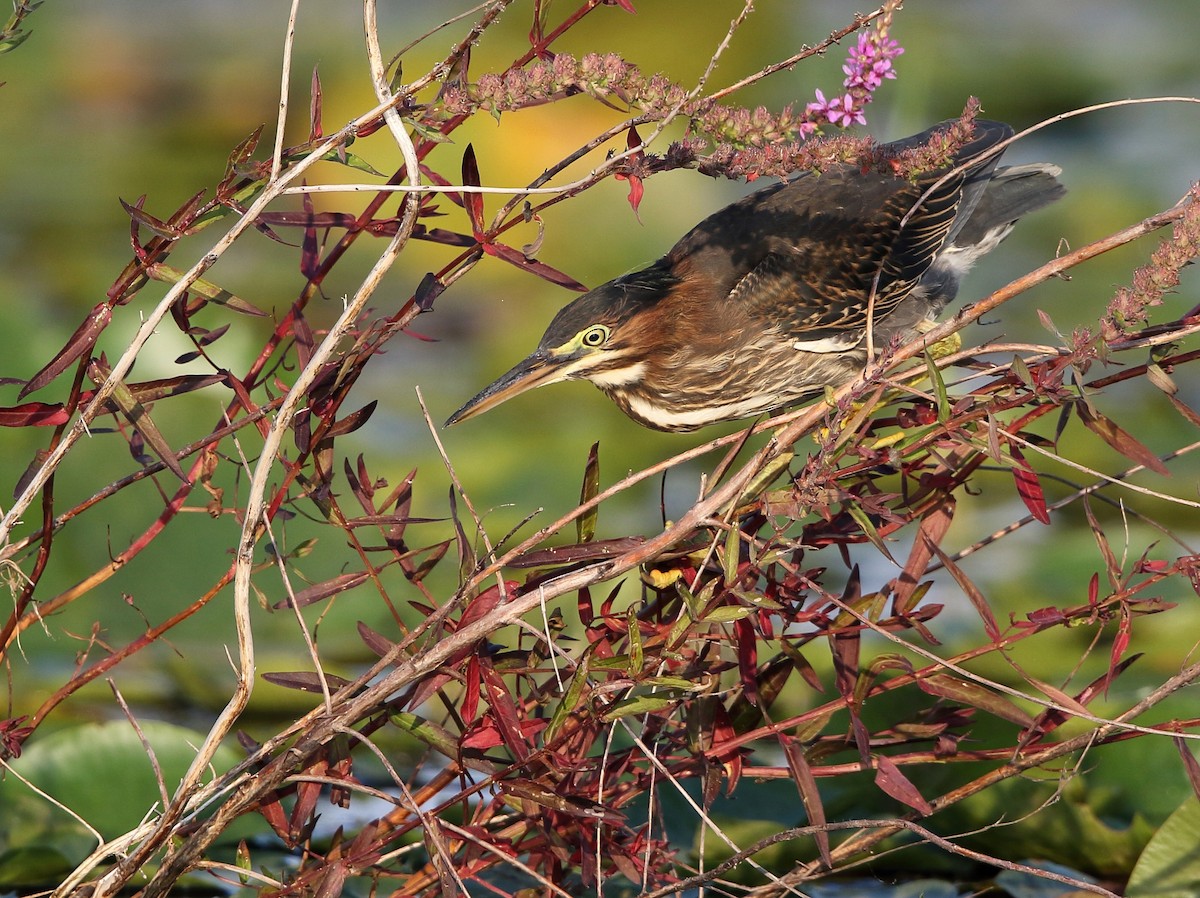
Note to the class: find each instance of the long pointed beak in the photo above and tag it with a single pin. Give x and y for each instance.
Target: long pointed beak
(537, 370)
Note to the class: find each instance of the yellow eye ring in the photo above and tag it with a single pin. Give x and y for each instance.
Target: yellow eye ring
(595, 336)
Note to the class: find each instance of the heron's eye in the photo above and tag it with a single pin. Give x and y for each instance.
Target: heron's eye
(594, 336)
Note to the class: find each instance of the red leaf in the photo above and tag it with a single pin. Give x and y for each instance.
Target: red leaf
(376, 642)
(161, 228)
(1121, 440)
(13, 735)
(583, 604)
(81, 342)
(1029, 488)
(845, 647)
(1121, 641)
(305, 681)
(307, 793)
(447, 238)
(472, 202)
(806, 783)
(34, 414)
(889, 778)
(1187, 411)
(272, 811)
(541, 269)
(504, 711)
(636, 188)
(747, 655)
(352, 421)
(591, 551)
(973, 593)
(315, 131)
(484, 604)
(237, 159)
(324, 590)
(1190, 765)
(470, 700)
(309, 247)
(932, 531)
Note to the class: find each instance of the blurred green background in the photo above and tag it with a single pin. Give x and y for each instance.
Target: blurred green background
(120, 99)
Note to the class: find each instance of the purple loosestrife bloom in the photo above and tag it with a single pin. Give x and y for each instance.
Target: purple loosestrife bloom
(868, 64)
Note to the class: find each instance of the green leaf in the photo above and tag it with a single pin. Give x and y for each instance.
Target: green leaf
(671, 683)
(1169, 865)
(939, 388)
(15, 41)
(139, 416)
(642, 704)
(352, 160)
(585, 526)
(616, 662)
(570, 701)
(210, 291)
(427, 131)
(635, 641)
(730, 557)
(436, 737)
(868, 528)
(101, 772)
(768, 474)
(727, 613)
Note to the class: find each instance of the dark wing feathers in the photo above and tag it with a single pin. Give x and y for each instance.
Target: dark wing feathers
(826, 261)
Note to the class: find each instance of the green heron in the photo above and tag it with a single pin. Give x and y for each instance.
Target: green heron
(766, 302)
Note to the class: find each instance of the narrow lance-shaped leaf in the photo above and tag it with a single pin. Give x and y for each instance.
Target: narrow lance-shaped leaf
(306, 680)
(571, 701)
(868, 528)
(889, 778)
(315, 131)
(324, 590)
(731, 555)
(585, 525)
(978, 600)
(207, 289)
(1190, 765)
(350, 160)
(939, 388)
(504, 710)
(642, 704)
(1120, 439)
(806, 785)
(148, 221)
(139, 417)
(241, 153)
(973, 695)
(352, 421)
(472, 202)
(310, 262)
(541, 269)
(1111, 565)
(34, 414)
(376, 642)
(747, 656)
(81, 342)
(1029, 488)
(934, 526)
